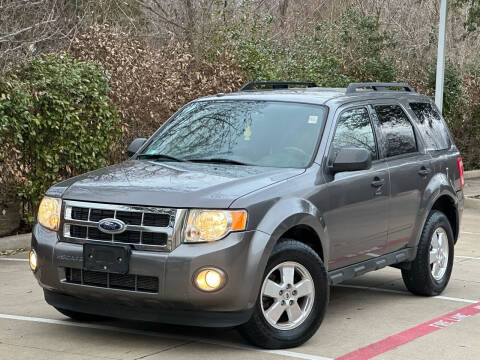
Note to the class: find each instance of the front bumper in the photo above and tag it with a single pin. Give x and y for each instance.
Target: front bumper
(239, 255)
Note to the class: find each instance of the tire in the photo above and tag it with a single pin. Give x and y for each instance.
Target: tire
(79, 316)
(420, 278)
(309, 268)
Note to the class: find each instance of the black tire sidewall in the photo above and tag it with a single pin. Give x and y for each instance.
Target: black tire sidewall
(445, 224)
(291, 250)
(419, 279)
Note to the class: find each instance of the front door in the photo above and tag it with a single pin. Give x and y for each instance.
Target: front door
(356, 219)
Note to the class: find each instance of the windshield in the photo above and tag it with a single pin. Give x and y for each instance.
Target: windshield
(261, 133)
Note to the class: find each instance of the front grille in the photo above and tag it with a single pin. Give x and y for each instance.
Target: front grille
(97, 214)
(154, 239)
(94, 233)
(147, 228)
(80, 213)
(130, 282)
(131, 218)
(155, 220)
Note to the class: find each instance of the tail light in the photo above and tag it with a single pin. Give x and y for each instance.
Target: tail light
(460, 172)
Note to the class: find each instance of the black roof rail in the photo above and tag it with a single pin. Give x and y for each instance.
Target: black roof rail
(276, 84)
(378, 86)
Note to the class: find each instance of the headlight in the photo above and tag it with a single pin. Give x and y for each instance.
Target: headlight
(211, 225)
(49, 213)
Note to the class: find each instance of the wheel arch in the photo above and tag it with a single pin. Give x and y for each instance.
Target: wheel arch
(306, 235)
(298, 219)
(448, 205)
(438, 195)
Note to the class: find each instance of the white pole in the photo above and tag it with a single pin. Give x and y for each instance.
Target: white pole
(441, 55)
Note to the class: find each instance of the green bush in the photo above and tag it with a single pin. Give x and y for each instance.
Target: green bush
(57, 120)
(330, 54)
(453, 92)
(362, 46)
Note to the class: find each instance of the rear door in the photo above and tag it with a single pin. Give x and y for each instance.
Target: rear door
(356, 217)
(410, 170)
(437, 138)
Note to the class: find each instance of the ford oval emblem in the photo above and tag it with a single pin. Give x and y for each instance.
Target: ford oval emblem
(112, 226)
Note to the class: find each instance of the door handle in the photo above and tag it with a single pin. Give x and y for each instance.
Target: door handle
(423, 171)
(377, 182)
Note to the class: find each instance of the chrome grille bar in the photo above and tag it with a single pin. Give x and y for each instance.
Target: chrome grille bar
(171, 231)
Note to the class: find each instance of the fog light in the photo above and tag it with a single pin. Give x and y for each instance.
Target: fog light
(32, 259)
(210, 279)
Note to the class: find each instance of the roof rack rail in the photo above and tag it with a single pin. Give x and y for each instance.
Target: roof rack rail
(378, 86)
(276, 84)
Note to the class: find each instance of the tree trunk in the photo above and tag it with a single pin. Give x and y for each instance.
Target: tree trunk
(190, 25)
(282, 11)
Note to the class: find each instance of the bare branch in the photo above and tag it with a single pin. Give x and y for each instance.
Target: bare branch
(160, 16)
(3, 38)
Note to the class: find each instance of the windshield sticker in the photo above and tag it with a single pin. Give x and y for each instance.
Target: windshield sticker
(312, 119)
(247, 133)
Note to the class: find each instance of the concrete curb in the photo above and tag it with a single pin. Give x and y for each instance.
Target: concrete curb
(472, 174)
(15, 242)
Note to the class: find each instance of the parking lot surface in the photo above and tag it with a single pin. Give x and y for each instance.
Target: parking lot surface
(372, 316)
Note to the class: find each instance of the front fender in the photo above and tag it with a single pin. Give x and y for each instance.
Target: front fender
(281, 217)
(291, 212)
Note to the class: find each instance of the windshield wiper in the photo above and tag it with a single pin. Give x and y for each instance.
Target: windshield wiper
(220, 160)
(160, 157)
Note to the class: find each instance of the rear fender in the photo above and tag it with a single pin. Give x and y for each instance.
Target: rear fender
(436, 188)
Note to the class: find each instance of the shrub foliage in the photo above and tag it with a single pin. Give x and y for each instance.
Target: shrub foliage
(56, 121)
(149, 85)
(58, 114)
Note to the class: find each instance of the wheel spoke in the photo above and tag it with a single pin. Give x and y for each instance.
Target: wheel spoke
(280, 295)
(436, 269)
(435, 243)
(272, 289)
(304, 288)
(441, 239)
(288, 273)
(439, 253)
(294, 312)
(274, 312)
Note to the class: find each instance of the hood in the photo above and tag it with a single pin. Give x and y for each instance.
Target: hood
(170, 184)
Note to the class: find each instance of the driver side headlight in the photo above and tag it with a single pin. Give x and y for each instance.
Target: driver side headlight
(49, 213)
(212, 225)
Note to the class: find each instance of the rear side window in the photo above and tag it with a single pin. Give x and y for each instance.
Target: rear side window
(354, 129)
(397, 130)
(431, 126)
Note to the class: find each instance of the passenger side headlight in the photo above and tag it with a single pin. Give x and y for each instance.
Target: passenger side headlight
(212, 225)
(49, 213)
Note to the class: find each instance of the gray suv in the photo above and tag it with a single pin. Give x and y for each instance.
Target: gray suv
(244, 208)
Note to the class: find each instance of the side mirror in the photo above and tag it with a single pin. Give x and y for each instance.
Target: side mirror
(135, 146)
(352, 159)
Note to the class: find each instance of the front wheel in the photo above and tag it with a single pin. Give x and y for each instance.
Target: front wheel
(292, 300)
(430, 271)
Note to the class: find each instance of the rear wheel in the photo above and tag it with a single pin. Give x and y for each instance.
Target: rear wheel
(430, 271)
(292, 299)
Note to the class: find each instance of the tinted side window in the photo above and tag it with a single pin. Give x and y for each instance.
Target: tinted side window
(431, 126)
(354, 129)
(397, 130)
